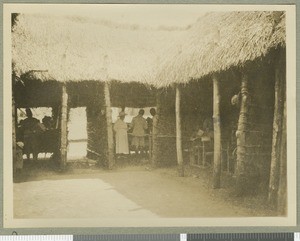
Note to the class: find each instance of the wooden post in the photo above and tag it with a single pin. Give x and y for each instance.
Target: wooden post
(242, 131)
(14, 139)
(155, 144)
(277, 135)
(282, 189)
(150, 141)
(64, 128)
(110, 138)
(217, 134)
(178, 134)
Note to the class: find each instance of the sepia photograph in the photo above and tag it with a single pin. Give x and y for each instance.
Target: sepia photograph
(129, 115)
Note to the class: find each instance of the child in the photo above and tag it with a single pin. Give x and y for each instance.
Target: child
(19, 156)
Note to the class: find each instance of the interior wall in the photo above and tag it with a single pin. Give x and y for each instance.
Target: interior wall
(97, 128)
(261, 96)
(85, 93)
(165, 145)
(196, 106)
(262, 110)
(96, 132)
(35, 93)
(230, 86)
(133, 94)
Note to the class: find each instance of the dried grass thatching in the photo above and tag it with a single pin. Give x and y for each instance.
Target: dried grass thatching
(221, 40)
(75, 48)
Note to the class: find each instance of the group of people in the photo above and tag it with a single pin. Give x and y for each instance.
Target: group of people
(28, 133)
(139, 127)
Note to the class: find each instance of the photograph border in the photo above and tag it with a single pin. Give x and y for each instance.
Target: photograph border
(210, 222)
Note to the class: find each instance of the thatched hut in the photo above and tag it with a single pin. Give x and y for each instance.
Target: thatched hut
(221, 55)
(239, 54)
(69, 62)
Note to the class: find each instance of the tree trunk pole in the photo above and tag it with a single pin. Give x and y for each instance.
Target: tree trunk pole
(282, 189)
(178, 134)
(64, 128)
(14, 138)
(217, 134)
(242, 132)
(155, 144)
(277, 135)
(110, 138)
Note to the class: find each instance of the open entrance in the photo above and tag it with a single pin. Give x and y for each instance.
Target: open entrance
(77, 136)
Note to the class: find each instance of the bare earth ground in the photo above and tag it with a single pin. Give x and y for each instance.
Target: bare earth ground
(85, 191)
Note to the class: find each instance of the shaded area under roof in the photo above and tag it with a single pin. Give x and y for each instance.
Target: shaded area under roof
(38, 89)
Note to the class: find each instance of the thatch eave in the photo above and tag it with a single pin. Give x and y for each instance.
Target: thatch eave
(39, 89)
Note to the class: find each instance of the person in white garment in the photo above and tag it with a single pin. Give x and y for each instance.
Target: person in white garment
(120, 129)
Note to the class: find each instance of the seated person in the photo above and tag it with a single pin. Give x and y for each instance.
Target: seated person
(47, 122)
(208, 128)
(31, 130)
(206, 133)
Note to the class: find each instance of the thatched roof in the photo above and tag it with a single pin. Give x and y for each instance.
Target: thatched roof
(76, 48)
(222, 40)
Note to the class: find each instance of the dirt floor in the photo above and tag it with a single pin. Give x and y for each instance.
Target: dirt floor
(131, 190)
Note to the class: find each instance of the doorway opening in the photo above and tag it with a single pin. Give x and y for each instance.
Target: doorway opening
(77, 134)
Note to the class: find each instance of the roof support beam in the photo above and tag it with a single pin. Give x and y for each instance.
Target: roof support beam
(277, 133)
(282, 189)
(110, 139)
(64, 128)
(217, 133)
(155, 132)
(14, 138)
(243, 140)
(178, 133)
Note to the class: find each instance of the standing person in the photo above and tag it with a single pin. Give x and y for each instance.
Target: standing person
(154, 118)
(151, 128)
(31, 129)
(139, 126)
(120, 128)
(151, 120)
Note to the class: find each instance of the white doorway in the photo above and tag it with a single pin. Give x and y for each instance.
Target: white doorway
(77, 136)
